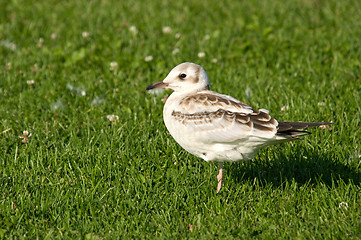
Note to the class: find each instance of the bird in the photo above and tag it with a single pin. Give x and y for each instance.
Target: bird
(218, 127)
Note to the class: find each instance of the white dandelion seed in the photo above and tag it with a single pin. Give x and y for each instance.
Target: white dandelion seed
(167, 30)
(148, 58)
(201, 54)
(58, 106)
(78, 90)
(178, 35)
(96, 101)
(53, 36)
(207, 37)
(214, 60)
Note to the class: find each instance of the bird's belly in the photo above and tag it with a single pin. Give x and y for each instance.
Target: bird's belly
(199, 145)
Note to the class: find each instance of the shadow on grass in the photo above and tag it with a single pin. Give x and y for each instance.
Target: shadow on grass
(304, 166)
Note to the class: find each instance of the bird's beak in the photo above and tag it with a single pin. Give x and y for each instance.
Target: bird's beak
(157, 85)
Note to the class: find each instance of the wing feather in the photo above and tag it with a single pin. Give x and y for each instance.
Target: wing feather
(220, 118)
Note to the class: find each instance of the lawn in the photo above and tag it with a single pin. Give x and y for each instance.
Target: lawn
(97, 162)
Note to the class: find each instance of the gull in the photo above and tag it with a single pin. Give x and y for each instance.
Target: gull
(217, 127)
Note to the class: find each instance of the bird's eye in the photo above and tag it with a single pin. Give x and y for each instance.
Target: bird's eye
(182, 76)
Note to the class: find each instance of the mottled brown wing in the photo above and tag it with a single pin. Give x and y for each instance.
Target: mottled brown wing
(209, 101)
(215, 117)
(226, 126)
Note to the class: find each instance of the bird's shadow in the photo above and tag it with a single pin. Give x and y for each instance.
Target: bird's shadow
(303, 166)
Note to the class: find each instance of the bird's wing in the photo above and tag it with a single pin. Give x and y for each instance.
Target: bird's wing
(221, 118)
(293, 130)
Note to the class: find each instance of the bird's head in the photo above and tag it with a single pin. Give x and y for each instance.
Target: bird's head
(186, 77)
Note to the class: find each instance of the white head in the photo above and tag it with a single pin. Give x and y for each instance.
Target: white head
(186, 77)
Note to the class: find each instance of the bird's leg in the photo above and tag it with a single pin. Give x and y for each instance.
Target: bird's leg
(220, 177)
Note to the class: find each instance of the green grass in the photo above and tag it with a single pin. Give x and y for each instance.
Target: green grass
(82, 176)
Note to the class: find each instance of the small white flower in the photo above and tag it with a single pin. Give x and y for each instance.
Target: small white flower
(113, 65)
(328, 127)
(343, 205)
(201, 54)
(133, 29)
(30, 82)
(8, 66)
(25, 136)
(40, 42)
(113, 118)
(214, 60)
(321, 104)
(167, 30)
(53, 36)
(148, 58)
(283, 108)
(207, 37)
(85, 34)
(175, 51)
(178, 35)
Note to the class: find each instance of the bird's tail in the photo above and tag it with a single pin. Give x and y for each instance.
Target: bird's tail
(295, 129)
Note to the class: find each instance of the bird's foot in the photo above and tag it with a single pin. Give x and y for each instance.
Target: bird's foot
(219, 178)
